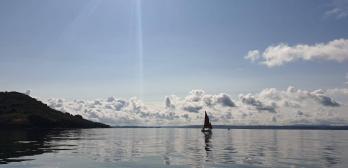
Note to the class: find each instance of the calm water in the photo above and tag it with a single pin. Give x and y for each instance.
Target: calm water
(173, 147)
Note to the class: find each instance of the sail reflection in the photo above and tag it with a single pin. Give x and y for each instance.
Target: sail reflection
(207, 140)
(208, 146)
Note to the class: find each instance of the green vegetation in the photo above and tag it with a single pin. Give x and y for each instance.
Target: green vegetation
(18, 110)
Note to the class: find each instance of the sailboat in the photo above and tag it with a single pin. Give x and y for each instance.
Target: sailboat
(207, 125)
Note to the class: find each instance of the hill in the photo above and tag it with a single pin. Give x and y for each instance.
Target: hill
(19, 110)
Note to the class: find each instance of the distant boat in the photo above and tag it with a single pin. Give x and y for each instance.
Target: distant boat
(207, 127)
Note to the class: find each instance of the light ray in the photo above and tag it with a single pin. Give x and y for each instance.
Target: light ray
(140, 46)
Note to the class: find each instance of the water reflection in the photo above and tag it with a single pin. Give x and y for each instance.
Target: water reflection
(15, 144)
(208, 146)
(207, 138)
(172, 147)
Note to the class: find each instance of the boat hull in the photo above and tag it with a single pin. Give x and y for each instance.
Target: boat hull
(206, 130)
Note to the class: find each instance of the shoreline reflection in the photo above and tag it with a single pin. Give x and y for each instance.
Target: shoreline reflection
(15, 144)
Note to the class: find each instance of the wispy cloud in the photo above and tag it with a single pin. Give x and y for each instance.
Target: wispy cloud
(277, 55)
(338, 9)
(269, 106)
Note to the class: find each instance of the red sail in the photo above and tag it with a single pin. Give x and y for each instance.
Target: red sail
(207, 124)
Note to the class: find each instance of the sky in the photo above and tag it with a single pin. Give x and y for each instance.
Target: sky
(168, 60)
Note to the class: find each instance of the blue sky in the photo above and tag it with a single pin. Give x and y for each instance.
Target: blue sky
(90, 49)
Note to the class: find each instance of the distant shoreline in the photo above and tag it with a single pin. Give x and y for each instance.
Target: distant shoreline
(285, 127)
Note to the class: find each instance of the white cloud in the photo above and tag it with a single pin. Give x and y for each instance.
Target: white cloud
(338, 91)
(250, 100)
(253, 55)
(277, 55)
(269, 106)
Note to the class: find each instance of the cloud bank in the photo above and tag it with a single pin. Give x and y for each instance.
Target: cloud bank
(269, 106)
(277, 55)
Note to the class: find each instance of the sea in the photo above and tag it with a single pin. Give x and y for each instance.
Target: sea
(172, 147)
